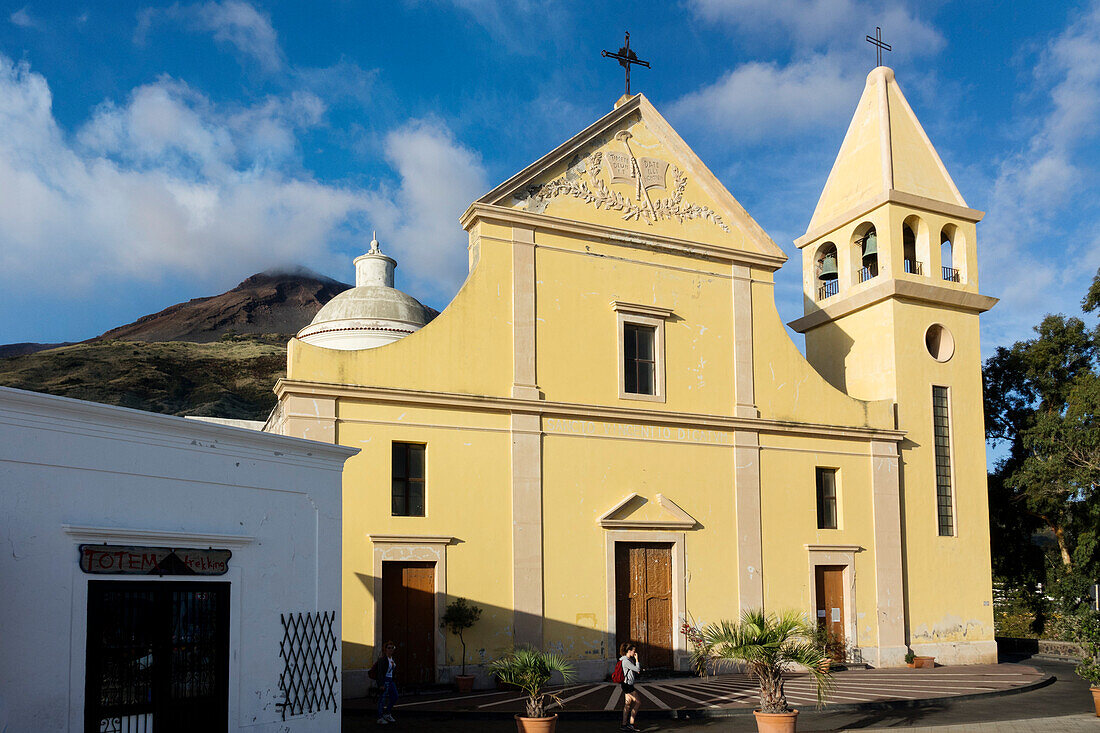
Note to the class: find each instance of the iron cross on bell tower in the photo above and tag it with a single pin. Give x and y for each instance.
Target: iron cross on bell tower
(626, 57)
(876, 41)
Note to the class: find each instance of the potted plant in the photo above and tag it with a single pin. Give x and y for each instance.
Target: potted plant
(1089, 667)
(530, 670)
(458, 617)
(769, 646)
(910, 659)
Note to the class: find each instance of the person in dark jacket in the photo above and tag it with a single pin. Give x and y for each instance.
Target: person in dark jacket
(628, 652)
(384, 673)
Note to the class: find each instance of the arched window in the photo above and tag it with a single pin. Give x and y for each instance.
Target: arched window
(825, 271)
(866, 245)
(909, 250)
(947, 254)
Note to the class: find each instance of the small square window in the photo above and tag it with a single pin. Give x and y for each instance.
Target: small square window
(407, 487)
(826, 498)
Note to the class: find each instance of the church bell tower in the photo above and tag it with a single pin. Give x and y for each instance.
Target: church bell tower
(890, 286)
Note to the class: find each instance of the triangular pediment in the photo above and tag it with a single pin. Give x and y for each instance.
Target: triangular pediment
(636, 512)
(885, 149)
(631, 170)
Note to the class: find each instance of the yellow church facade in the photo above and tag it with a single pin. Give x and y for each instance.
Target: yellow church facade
(609, 432)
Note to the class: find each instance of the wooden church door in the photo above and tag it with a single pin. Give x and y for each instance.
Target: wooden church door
(643, 601)
(408, 619)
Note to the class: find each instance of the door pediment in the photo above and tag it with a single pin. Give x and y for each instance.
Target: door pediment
(636, 512)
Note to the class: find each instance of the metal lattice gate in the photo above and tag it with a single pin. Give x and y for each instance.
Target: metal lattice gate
(310, 669)
(157, 657)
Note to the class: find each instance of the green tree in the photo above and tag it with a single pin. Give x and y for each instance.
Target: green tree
(1042, 398)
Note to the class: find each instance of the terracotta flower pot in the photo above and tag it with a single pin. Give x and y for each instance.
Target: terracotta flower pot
(464, 682)
(536, 725)
(776, 722)
(925, 662)
(911, 665)
(1096, 699)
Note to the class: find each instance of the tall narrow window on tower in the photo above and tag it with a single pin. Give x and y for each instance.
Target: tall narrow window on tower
(941, 417)
(640, 367)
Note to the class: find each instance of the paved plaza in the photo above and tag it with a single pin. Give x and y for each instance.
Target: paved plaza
(1009, 698)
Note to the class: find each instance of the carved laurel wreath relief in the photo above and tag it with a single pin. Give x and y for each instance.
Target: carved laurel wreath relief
(584, 181)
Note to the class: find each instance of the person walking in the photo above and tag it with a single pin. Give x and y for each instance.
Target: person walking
(628, 658)
(383, 673)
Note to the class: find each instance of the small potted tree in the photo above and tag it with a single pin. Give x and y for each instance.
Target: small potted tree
(530, 670)
(1089, 667)
(769, 646)
(458, 617)
(910, 659)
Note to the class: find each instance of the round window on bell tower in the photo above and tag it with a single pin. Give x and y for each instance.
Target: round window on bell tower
(939, 342)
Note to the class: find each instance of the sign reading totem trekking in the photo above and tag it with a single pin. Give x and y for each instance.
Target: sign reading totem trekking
(131, 560)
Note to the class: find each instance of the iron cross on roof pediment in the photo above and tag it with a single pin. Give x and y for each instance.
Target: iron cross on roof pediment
(626, 57)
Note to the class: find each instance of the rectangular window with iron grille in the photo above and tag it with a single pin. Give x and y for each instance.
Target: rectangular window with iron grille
(941, 417)
(640, 364)
(826, 498)
(407, 494)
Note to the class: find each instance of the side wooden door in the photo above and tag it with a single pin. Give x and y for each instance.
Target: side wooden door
(829, 580)
(408, 619)
(643, 601)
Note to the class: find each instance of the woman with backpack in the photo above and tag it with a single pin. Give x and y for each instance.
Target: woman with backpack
(626, 671)
(384, 674)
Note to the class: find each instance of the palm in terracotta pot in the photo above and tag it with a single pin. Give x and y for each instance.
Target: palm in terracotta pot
(1089, 667)
(458, 617)
(770, 647)
(531, 670)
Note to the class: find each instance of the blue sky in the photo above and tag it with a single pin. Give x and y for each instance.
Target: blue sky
(151, 153)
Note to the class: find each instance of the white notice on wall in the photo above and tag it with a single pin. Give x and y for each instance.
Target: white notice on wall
(836, 616)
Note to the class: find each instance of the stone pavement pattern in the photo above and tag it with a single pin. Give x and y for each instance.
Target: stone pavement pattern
(1064, 705)
(738, 691)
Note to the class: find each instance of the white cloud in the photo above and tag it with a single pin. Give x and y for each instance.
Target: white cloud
(232, 21)
(22, 18)
(825, 23)
(418, 222)
(169, 184)
(757, 100)
(1027, 235)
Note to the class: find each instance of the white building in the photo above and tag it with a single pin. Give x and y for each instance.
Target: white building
(160, 574)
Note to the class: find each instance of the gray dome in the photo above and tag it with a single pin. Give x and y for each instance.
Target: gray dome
(373, 303)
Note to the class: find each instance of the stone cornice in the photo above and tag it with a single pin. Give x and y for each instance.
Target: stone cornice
(615, 235)
(891, 196)
(487, 403)
(890, 288)
(168, 538)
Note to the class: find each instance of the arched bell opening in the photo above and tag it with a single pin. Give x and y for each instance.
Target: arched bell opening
(948, 238)
(865, 243)
(914, 245)
(826, 272)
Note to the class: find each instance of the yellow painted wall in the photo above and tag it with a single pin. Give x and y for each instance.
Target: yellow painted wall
(576, 327)
(789, 521)
(788, 388)
(467, 496)
(467, 348)
(966, 614)
(583, 478)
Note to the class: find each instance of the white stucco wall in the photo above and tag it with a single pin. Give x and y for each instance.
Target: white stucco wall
(75, 472)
